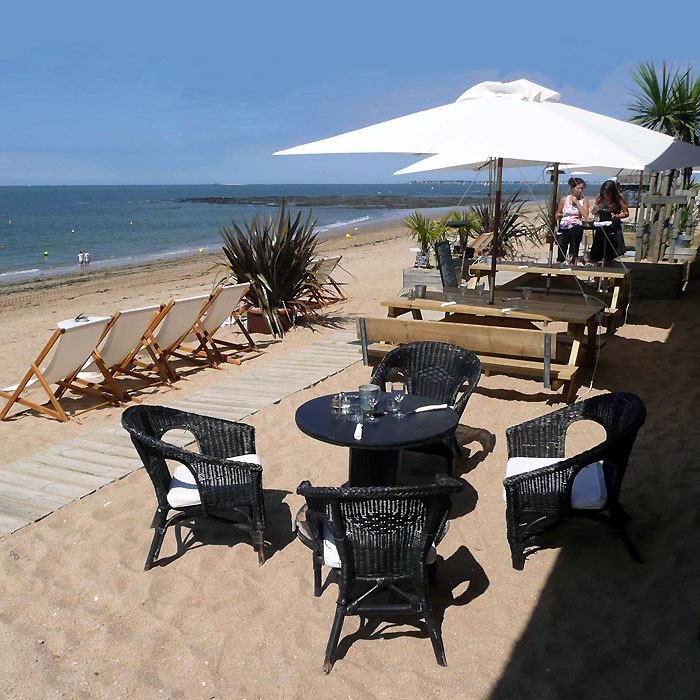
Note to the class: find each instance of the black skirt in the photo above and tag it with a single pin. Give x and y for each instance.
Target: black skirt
(608, 241)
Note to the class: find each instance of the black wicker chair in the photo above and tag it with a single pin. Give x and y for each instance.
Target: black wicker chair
(439, 371)
(546, 497)
(383, 536)
(210, 484)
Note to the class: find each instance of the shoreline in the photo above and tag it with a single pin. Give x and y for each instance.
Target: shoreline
(24, 292)
(329, 240)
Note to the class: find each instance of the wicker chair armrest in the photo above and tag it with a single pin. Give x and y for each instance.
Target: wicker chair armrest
(222, 482)
(220, 438)
(461, 403)
(547, 488)
(541, 437)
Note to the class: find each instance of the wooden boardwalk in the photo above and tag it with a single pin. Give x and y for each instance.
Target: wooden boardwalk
(33, 487)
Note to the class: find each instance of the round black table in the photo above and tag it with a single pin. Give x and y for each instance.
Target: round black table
(375, 459)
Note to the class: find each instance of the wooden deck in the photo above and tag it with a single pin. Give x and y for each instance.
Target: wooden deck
(33, 487)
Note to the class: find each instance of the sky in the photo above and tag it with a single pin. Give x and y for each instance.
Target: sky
(188, 93)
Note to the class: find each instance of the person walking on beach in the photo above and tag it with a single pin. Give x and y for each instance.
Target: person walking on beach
(608, 241)
(81, 258)
(572, 211)
(86, 257)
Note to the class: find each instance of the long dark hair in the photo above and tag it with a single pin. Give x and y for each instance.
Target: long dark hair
(575, 182)
(609, 188)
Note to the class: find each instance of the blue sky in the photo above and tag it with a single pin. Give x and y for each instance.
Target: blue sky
(141, 93)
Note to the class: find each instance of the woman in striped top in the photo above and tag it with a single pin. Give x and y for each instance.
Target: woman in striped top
(573, 209)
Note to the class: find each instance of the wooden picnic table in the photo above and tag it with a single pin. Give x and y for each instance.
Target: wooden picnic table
(467, 306)
(618, 281)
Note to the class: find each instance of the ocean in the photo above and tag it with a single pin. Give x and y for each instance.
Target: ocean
(124, 225)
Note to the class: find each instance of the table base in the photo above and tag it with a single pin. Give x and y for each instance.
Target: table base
(374, 467)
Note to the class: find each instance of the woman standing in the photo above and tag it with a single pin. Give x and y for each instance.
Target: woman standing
(608, 241)
(573, 209)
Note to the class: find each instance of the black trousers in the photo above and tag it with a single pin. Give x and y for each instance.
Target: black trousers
(568, 242)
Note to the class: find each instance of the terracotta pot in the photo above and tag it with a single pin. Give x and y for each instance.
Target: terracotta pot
(258, 324)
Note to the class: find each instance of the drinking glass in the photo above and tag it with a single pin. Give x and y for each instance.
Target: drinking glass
(337, 401)
(398, 392)
(527, 293)
(355, 413)
(372, 403)
(480, 288)
(345, 405)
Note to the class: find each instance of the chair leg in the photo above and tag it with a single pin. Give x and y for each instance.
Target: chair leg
(435, 638)
(317, 575)
(259, 544)
(334, 638)
(618, 518)
(432, 573)
(159, 526)
(517, 554)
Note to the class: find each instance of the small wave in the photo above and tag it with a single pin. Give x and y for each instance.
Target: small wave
(338, 224)
(20, 272)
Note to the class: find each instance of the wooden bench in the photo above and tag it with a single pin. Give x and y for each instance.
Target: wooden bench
(514, 351)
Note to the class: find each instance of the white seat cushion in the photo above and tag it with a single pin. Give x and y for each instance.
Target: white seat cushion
(588, 491)
(332, 558)
(183, 489)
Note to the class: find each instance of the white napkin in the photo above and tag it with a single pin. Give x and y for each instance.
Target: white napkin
(436, 407)
(598, 224)
(506, 310)
(448, 303)
(358, 432)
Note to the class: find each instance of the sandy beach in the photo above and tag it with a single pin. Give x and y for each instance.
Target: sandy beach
(80, 618)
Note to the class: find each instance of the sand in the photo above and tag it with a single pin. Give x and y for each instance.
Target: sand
(80, 618)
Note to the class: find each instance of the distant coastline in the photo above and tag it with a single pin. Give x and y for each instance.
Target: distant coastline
(362, 201)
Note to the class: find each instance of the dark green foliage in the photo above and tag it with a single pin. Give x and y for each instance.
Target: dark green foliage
(273, 254)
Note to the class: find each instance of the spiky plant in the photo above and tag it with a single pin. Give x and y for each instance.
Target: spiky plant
(514, 226)
(667, 100)
(423, 230)
(469, 225)
(273, 254)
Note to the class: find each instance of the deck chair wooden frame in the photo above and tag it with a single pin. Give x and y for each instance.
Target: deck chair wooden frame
(109, 387)
(160, 355)
(64, 384)
(210, 346)
(332, 291)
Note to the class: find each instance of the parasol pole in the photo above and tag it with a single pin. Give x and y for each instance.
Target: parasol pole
(552, 218)
(496, 227)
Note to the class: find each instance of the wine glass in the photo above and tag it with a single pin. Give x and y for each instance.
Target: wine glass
(398, 392)
(372, 403)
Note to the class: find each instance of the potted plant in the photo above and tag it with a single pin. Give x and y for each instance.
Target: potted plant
(514, 226)
(426, 233)
(274, 254)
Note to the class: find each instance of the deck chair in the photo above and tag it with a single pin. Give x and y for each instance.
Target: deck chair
(322, 271)
(162, 340)
(72, 343)
(223, 304)
(482, 244)
(123, 340)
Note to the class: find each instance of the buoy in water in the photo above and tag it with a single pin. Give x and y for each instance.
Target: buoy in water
(201, 251)
(72, 230)
(9, 221)
(131, 223)
(46, 252)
